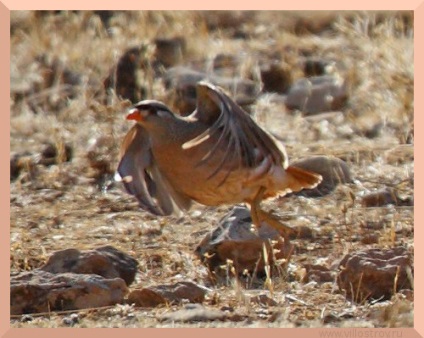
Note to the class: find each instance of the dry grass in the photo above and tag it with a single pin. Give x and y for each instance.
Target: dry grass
(60, 206)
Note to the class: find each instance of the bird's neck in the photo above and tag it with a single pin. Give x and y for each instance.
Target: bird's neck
(177, 131)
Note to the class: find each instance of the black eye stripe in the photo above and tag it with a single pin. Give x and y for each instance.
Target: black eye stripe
(153, 107)
(146, 107)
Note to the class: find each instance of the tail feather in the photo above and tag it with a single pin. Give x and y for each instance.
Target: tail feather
(302, 179)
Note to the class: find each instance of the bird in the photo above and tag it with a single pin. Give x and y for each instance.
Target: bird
(217, 155)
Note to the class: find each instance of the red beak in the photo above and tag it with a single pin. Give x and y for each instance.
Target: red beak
(134, 115)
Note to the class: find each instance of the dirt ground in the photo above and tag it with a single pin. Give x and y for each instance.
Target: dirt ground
(58, 64)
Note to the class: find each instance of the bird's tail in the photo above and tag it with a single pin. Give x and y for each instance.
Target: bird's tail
(301, 179)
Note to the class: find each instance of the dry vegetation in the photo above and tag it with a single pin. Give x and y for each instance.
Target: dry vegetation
(64, 206)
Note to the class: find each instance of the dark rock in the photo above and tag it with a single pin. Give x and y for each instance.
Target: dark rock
(56, 153)
(318, 273)
(220, 20)
(384, 197)
(375, 273)
(105, 261)
(167, 294)
(193, 313)
(370, 238)
(314, 66)
(41, 291)
(317, 94)
(276, 78)
(50, 155)
(23, 162)
(234, 240)
(170, 52)
(333, 170)
(15, 167)
(123, 79)
(308, 25)
(105, 16)
(146, 298)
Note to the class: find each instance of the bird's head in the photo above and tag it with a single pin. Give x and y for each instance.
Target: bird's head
(150, 113)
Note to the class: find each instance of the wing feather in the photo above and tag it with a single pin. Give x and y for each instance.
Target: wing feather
(247, 143)
(143, 179)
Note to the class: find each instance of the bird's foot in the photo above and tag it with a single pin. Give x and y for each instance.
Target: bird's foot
(273, 221)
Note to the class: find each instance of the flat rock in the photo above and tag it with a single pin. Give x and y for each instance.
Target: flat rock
(41, 291)
(375, 273)
(167, 294)
(333, 170)
(317, 94)
(193, 313)
(106, 261)
(233, 240)
(384, 197)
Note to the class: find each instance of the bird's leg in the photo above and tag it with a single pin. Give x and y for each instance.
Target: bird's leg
(258, 216)
(254, 207)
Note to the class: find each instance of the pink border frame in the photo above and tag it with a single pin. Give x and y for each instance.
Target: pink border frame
(5, 8)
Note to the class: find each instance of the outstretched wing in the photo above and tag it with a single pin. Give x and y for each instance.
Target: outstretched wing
(142, 178)
(245, 143)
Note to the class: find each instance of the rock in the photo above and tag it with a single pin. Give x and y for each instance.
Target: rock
(106, 261)
(146, 298)
(375, 273)
(384, 197)
(317, 94)
(16, 165)
(403, 153)
(167, 294)
(317, 273)
(314, 66)
(181, 82)
(50, 155)
(193, 313)
(276, 78)
(370, 238)
(123, 80)
(56, 153)
(105, 16)
(41, 291)
(71, 320)
(333, 171)
(170, 52)
(233, 240)
(263, 300)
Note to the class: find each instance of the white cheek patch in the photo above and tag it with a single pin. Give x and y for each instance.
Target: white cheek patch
(144, 113)
(162, 113)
